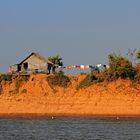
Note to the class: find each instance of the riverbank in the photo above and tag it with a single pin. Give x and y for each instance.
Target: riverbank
(37, 98)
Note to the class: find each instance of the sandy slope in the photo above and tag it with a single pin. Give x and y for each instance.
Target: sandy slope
(117, 98)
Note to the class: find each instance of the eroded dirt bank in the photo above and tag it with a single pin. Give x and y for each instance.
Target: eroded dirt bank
(36, 97)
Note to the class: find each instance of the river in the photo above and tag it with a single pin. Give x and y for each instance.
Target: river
(69, 128)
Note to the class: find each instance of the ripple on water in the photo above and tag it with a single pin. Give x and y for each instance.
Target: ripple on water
(69, 128)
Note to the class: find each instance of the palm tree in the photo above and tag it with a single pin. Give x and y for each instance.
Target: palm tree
(54, 61)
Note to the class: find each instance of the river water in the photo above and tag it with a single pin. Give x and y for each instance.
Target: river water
(69, 128)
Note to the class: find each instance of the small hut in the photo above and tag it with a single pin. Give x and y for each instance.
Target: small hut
(32, 63)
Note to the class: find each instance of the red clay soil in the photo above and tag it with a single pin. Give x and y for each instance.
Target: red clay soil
(36, 97)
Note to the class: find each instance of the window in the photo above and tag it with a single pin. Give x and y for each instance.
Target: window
(25, 65)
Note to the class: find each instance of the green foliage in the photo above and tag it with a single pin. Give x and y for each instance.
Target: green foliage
(136, 80)
(6, 77)
(138, 55)
(120, 67)
(95, 76)
(55, 59)
(102, 76)
(117, 60)
(59, 79)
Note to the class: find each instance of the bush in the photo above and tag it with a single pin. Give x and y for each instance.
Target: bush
(59, 79)
(120, 67)
(6, 77)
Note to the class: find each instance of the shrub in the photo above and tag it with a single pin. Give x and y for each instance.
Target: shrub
(59, 79)
(102, 76)
(6, 77)
(120, 67)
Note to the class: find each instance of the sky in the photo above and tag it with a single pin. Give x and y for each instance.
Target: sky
(81, 31)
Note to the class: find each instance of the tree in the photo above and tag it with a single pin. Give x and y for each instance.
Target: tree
(54, 62)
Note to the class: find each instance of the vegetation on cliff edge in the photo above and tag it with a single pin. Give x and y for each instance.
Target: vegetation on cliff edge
(120, 67)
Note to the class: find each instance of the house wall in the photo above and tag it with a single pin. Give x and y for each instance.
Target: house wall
(34, 63)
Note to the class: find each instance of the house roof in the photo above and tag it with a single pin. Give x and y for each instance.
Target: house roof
(37, 55)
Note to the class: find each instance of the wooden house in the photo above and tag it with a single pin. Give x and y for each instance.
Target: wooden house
(32, 63)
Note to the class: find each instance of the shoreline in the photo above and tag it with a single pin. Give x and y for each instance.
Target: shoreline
(47, 115)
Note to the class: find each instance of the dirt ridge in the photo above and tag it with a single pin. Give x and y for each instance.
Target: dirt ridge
(37, 97)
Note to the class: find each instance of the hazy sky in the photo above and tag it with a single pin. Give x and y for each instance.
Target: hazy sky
(81, 31)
